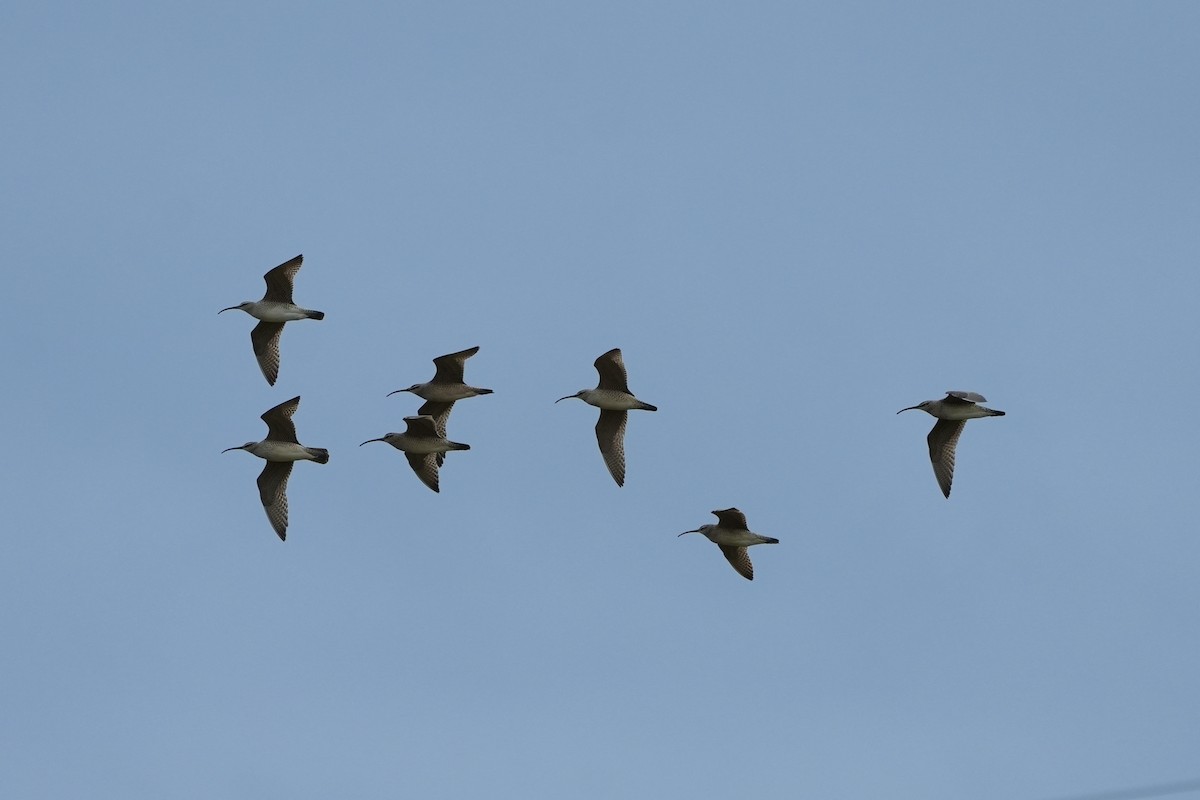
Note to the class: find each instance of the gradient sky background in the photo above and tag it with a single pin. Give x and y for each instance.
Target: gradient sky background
(794, 220)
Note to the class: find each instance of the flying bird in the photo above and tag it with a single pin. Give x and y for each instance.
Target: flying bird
(613, 398)
(952, 413)
(422, 444)
(281, 450)
(275, 308)
(733, 537)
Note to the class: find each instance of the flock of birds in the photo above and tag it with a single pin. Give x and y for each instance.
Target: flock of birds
(424, 442)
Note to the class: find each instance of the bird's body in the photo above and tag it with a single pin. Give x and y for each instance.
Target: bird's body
(273, 311)
(423, 445)
(267, 311)
(733, 536)
(283, 451)
(443, 393)
(280, 450)
(952, 413)
(613, 398)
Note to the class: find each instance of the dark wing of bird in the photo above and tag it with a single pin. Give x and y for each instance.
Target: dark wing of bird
(942, 441)
(423, 427)
(426, 467)
(280, 280)
(732, 518)
(611, 367)
(966, 398)
(272, 490)
(280, 427)
(450, 367)
(265, 338)
(740, 559)
(610, 434)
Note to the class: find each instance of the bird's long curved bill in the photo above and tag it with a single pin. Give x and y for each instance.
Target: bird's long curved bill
(239, 447)
(368, 441)
(568, 397)
(910, 408)
(389, 394)
(231, 308)
(687, 532)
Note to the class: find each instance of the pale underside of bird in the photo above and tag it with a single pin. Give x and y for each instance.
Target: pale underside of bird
(280, 450)
(613, 398)
(733, 536)
(952, 413)
(446, 387)
(422, 444)
(275, 309)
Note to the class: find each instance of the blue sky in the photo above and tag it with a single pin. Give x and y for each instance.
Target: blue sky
(793, 219)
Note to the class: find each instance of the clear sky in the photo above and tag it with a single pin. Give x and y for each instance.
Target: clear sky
(794, 219)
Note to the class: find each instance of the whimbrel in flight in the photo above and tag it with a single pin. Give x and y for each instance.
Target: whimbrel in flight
(421, 444)
(952, 413)
(613, 398)
(272, 311)
(443, 389)
(733, 537)
(281, 450)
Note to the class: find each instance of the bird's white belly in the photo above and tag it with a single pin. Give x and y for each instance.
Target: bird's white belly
(610, 400)
(955, 413)
(733, 538)
(423, 446)
(278, 312)
(444, 393)
(281, 451)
